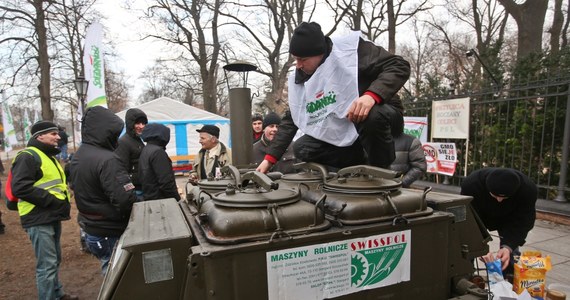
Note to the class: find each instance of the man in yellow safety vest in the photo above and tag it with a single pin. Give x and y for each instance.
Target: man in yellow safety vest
(38, 181)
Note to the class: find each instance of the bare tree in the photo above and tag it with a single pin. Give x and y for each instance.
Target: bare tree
(192, 26)
(163, 80)
(28, 42)
(374, 17)
(530, 17)
(488, 20)
(67, 27)
(266, 34)
(422, 56)
(116, 90)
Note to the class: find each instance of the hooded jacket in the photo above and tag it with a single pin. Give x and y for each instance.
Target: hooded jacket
(131, 145)
(103, 190)
(155, 167)
(26, 170)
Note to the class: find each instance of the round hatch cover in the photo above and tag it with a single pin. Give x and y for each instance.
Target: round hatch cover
(310, 172)
(252, 197)
(215, 184)
(363, 179)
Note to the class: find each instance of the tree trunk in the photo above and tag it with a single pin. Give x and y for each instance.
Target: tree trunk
(391, 27)
(556, 28)
(530, 21)
(43, 61)
(210, 92)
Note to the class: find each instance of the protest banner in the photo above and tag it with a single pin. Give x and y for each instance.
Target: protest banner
(416, 127)
(441, 158)
(450, 119)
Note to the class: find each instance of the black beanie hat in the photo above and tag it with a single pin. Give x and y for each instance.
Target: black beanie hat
(308, 40)
(503, 182)
(270, 119)
(42, 127)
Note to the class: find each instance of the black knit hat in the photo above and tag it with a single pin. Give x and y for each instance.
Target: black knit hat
(42, 127)
(270, 119)
(211, 129)
(308, 40)
(502, 182)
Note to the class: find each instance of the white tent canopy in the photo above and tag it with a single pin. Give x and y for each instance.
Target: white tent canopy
(183, 120)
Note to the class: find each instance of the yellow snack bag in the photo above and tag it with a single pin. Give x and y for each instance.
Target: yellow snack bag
(530, 274)
(535, 253)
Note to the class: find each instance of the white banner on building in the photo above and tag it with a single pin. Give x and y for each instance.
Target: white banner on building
(94, 66)
(450, 119)
(441, 158)
(416, 127)
(334, 269)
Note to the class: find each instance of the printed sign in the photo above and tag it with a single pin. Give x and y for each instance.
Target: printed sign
(441, 158)
(416, 127)
(334, 269)
(450, 119)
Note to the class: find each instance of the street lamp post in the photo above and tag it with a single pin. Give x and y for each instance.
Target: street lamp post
(472, 52)
(81, 86)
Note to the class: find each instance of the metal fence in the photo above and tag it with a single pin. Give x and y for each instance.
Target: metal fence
(525, 126)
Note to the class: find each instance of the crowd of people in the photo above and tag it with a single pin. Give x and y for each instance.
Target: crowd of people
(342, 97)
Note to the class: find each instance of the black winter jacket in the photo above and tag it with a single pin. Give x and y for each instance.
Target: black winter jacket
(514, 217)
(131, 145)
(410, 159)
(379, 72)
(103, 190)
(284, 165)
(155, 167)
(26, 170)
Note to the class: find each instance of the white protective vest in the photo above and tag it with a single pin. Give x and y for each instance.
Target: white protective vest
(320, 105)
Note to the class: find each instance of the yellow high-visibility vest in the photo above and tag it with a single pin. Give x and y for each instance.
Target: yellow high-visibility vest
(53, 180)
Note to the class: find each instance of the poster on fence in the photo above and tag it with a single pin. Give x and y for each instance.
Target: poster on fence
(441, 158)
(450, 119)
(416, 127)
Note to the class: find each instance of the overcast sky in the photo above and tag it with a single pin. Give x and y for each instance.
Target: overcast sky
(123, 29)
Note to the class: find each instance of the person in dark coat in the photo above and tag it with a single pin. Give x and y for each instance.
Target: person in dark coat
(270, 128)
(505, 201)
(155, 167)
(343, 97)
(62, 144)
(410, 159)
(104, 192)
(257, 127)
(131, 145)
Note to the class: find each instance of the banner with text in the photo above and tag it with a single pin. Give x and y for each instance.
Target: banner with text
(450, 119)
(331, 270)
(94, 66)
(441, 158)
(416, 127)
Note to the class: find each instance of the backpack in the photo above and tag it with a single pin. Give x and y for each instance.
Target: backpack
(11, 200)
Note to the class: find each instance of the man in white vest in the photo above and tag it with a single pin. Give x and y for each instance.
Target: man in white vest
(343, 97)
